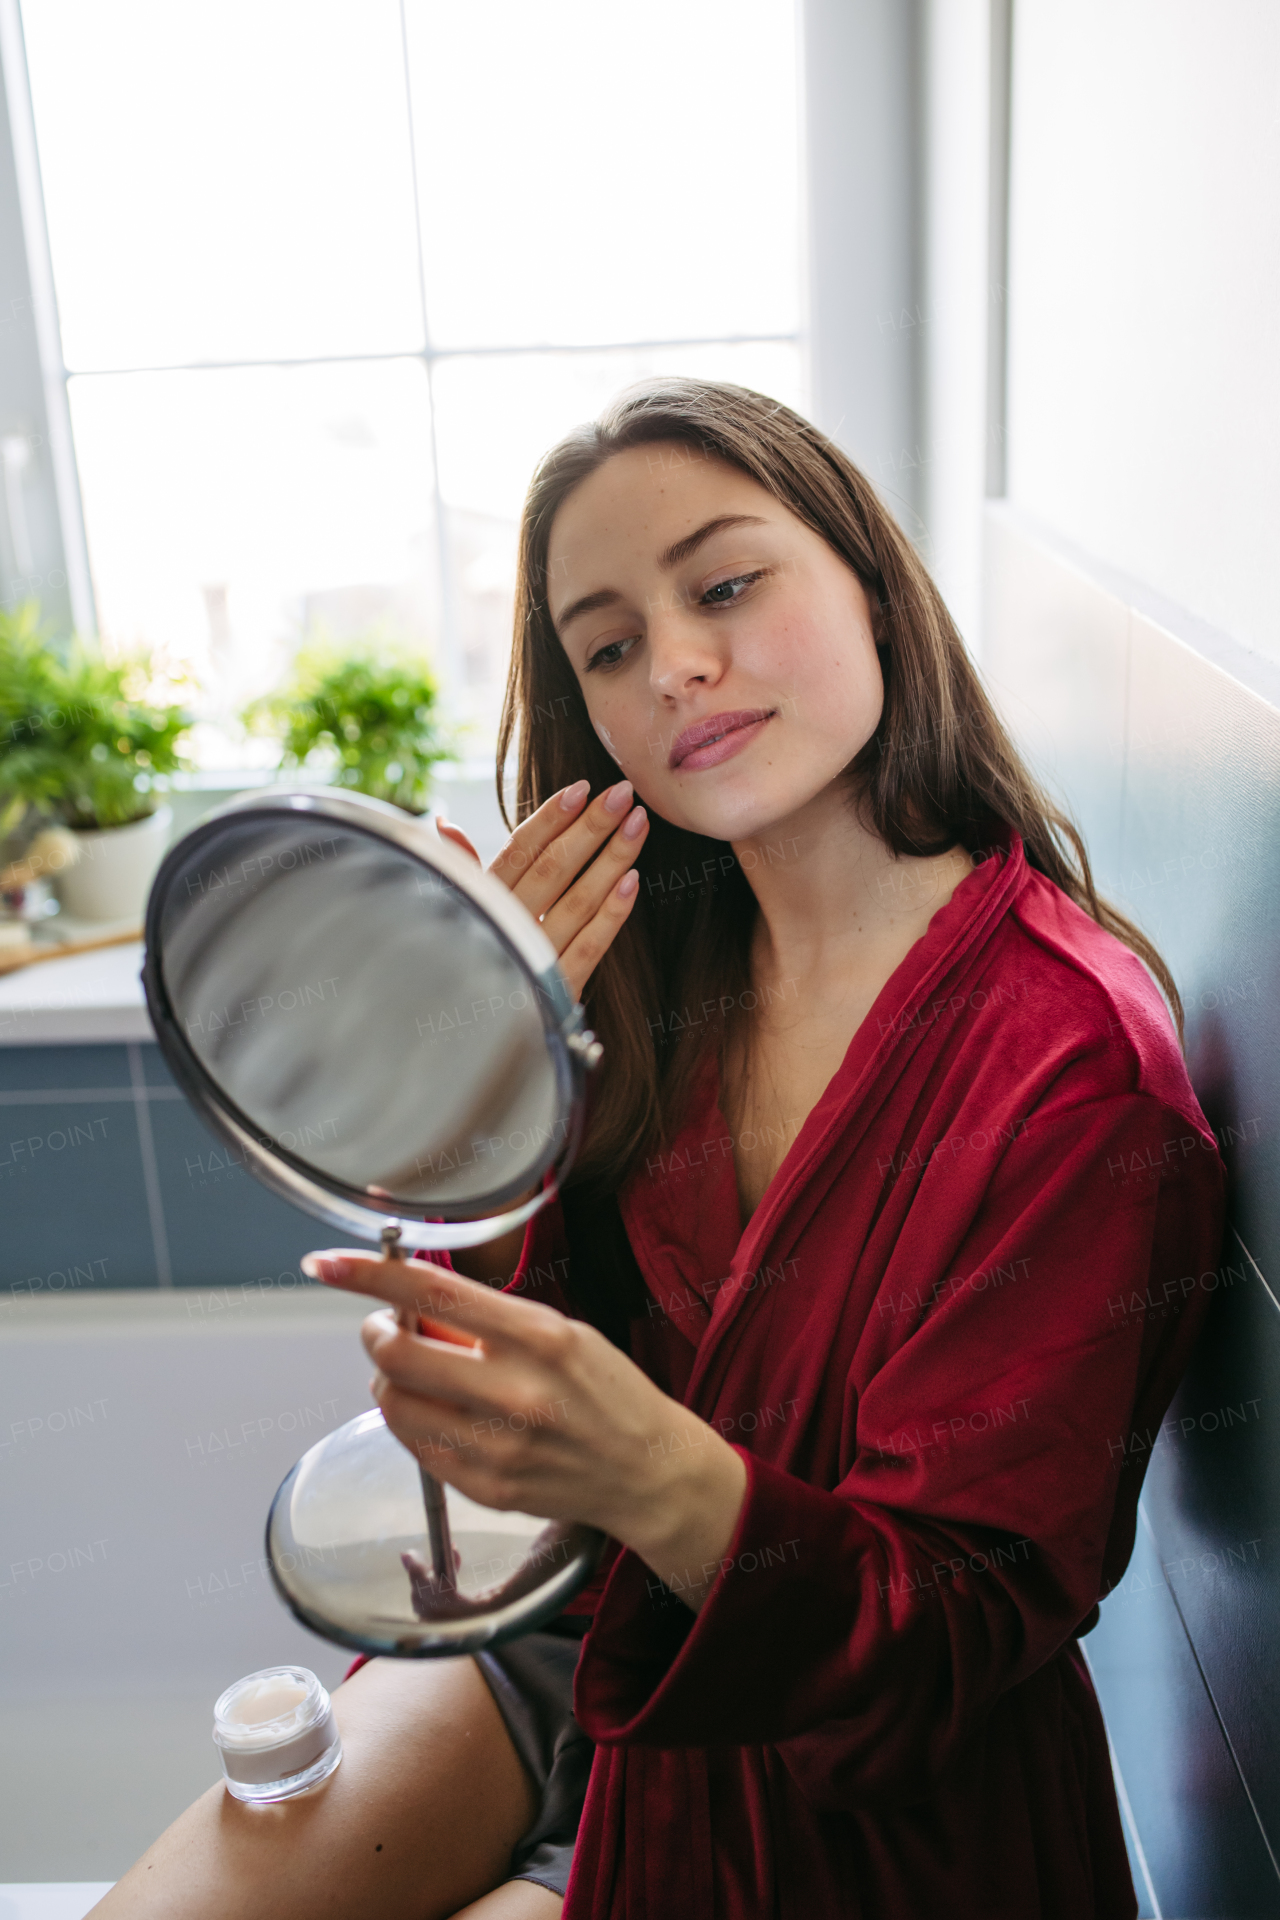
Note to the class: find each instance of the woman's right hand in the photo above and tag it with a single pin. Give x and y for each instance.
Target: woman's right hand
(572, 866)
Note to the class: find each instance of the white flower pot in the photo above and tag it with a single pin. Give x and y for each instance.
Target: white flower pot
(112, 878)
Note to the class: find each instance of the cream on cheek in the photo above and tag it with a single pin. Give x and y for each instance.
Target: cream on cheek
(637, 740)
(624, 715)
(611, 718)
(606, 739)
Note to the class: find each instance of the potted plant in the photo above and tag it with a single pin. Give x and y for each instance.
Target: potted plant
(87, 743)
(363, 716)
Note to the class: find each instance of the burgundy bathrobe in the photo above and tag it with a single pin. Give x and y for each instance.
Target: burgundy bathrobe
(973, 1281)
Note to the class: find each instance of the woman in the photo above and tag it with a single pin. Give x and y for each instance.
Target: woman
(891, 1116)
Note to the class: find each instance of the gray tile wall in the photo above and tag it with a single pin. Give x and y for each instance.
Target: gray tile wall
(108, 1180)
(1170, 763)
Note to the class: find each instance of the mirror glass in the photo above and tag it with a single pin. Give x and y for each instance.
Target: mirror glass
(351, 1555)
(362, 1015)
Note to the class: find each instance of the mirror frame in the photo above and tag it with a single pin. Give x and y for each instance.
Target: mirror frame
(574, 1051)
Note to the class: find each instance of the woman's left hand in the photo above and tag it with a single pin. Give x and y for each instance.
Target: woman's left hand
(518, 1406)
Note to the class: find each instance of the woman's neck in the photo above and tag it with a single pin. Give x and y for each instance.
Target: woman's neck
(838, 909)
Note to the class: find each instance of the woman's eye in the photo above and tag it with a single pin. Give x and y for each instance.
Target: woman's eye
(723, 594)
(611, 655)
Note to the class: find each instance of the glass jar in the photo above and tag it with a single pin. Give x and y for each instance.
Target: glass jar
(276, 1733)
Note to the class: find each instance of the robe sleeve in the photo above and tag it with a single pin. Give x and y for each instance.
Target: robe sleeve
(866, 1629)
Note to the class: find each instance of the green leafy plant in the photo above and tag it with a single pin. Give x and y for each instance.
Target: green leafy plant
(84, 741)
(365, 716)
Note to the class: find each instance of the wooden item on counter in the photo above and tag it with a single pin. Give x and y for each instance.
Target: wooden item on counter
(11, 958)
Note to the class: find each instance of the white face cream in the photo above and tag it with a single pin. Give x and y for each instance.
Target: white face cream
(276, 1733)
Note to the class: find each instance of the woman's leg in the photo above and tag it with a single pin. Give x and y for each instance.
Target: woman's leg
(418, 1821)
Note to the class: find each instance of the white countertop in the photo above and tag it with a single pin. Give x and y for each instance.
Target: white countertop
(83, 997)
(98, 996)
(64, 1900)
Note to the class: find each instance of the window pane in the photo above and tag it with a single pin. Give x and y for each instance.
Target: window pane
(496, 416)
(227, 512)
(595, 173)
(225, 182)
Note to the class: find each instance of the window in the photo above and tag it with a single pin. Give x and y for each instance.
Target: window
(331, 275)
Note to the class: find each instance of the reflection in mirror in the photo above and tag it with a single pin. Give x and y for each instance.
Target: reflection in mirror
(360, 1013)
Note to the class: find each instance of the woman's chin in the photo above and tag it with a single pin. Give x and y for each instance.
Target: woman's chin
(747, 808)
(739, 801)
(748, 819)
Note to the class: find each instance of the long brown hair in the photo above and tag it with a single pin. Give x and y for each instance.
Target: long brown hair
(940, 769)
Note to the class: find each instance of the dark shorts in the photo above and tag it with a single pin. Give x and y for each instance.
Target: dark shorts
(531, 1680)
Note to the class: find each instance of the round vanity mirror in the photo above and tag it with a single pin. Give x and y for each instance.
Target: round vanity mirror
(381, 1031)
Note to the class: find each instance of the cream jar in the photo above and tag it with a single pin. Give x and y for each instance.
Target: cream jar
(276, 1733)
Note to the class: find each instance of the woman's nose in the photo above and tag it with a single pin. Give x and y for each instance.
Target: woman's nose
(681, 655)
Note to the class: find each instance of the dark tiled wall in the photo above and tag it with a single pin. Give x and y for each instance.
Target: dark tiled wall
(108, 1179)
(1171, 764)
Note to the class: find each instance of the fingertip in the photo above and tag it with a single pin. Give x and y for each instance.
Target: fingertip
(331, 1268)
(456, 837)
(575, 795)
(628, 886)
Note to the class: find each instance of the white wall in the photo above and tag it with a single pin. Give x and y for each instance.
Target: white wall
(142, 1438)
(1143, 406)
(1144, 249)
(860, 91)
(958, 300)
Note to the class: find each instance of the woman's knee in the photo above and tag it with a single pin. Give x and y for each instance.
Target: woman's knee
(419, 1820)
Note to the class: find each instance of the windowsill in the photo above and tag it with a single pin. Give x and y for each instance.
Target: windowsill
(232, 779)
(97, 997)
(81, 999)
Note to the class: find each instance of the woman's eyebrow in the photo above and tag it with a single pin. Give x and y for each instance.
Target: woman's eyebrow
(603, 597)
(681, 549)
(678, 551)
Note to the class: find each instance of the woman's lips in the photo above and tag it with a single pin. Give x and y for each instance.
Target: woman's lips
(717, 738)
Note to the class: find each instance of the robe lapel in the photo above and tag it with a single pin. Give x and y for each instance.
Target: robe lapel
(682, 1218)
(680, 1211)
(901, 1020)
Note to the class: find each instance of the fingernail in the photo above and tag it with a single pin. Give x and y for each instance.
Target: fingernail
(575, 795)
(633, 825)
(627, 885)
(320, 1266)
(618, 798)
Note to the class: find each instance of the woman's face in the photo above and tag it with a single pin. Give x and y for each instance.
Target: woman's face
(725, 652)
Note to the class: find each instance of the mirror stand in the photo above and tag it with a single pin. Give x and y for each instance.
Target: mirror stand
(443, 1570)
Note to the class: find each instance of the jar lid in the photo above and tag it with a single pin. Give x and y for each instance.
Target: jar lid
(268, 1709)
